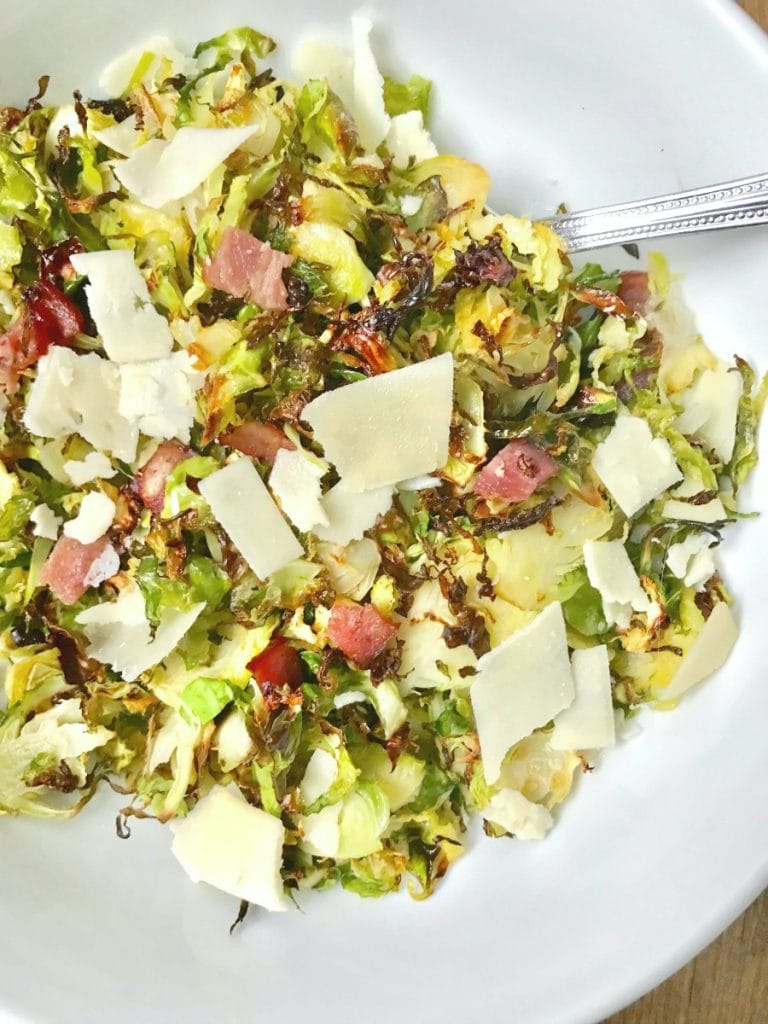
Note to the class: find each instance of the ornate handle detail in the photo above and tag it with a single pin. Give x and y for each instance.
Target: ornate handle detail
(730, 204)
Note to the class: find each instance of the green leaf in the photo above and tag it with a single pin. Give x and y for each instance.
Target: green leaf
(208, 580)
(10, 246)
(205, 698)
(435, 788)
(15, 516)
(451, 723)
(583, 611)
(592, 275)
(400, 97)
(236, 43)
(744, 458)
(262, 776)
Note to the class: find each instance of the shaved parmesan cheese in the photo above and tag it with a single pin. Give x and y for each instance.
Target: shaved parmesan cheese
(118, 299)
(79, 394)
(320, 832)
(122, 137)
(159, 395)
(160, 172)
(295, 482)
(521, 685)
(232, 846)
(318, 60)
(45, 522)
(517, 815)
(634, 465)
(388, 428)
(103, 568)
(348, 514)
(245, 508)
(93, 519)
(707, 654)
(408, 138)
(589, 723)
(95, 466)
(710, 512)
(419, 483)
(710, 407)
(692, 560)
(612, 574)
(232, 741)
(319, 776)
(371, 117)
(116, 76)
(119, 633)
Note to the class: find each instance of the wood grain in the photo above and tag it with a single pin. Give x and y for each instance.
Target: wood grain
(728, 982)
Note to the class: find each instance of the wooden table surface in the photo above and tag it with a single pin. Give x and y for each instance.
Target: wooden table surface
(728, 982)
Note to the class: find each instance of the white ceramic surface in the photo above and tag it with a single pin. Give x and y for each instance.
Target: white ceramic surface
(586, 102)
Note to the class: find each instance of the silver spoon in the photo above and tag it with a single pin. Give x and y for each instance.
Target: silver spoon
(737, 203)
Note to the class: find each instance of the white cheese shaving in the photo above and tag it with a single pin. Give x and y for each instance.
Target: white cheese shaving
(122, 137)
(319, 776)
(408, 138)
(518, 815)
(116, 76)
(159, 395)
(95, 466)
(131, 328)
(692, 560)
(320, 832)
(45, 522)
(710, 408)
(371, 117)
(103, 568)
(521, 685)
(410, 205)
(232, 741)
(388, 428)
(634, 465)
(589, 723)
(120, 635)
(612, 574)
(245, 508)
(348, 514)
(295, 482)
(707, 654)
(419, 483)
(315, 59)
(93, 519)
(160, 172)
(232, 846)
(710, 512)
(80, 394)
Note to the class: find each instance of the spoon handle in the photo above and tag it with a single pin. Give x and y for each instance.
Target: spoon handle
(738, 203)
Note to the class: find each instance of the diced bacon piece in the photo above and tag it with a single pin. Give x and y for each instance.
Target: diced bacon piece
(278, 665)
(258, 440)
(69, 566)
(634, 290)
(153, 476)
(245, 267)
(47, 318)
(359, 631)
(516, 472)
